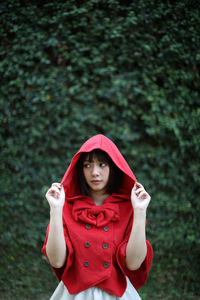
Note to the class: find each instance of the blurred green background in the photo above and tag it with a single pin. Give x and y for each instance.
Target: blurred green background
(126, 69)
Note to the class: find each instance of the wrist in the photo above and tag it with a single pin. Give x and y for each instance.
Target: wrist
(56, 211)
(139, 212)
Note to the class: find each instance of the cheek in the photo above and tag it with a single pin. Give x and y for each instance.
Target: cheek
(107, 173)
(85, 173)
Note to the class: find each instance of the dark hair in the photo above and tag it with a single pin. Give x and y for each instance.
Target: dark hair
(115, 177)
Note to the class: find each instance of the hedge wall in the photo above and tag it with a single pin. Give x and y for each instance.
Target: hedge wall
(126, 69)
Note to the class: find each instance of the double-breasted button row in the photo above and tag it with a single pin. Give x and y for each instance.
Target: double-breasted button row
(88, 226)
(105, 245)
(86, 264)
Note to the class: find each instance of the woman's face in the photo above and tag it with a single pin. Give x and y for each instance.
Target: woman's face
(96, 174)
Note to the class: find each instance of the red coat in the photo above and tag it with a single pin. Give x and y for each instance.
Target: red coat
(96, 236)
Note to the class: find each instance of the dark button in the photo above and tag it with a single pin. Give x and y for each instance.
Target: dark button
(105, 246)
(106, 228)
(87, 244)
(106, 265)
(86, 263)
(87, 226)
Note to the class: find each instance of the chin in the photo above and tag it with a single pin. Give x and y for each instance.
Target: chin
(98, 189)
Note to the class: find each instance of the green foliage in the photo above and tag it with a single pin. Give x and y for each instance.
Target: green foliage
(126, 69)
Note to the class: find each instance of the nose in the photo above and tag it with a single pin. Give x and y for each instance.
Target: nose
(95, 170)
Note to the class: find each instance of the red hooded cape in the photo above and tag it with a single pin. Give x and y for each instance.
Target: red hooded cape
(96, 236)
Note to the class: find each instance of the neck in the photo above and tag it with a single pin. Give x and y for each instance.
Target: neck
(98, 197)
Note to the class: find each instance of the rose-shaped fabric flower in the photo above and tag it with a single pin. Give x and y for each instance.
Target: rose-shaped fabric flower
(95, 215)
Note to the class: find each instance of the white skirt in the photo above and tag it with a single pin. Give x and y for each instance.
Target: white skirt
(94, 293)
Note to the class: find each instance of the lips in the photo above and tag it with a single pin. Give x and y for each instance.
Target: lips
(96, 181)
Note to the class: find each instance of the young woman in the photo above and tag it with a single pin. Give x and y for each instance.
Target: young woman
(95, 240)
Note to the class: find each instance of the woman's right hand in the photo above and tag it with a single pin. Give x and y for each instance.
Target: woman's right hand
(56, 195)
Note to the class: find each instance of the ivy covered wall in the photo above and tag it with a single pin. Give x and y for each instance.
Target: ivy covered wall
(126, 69)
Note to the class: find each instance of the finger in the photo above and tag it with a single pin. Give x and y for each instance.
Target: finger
(56, 184)
(139, 190)
(55, 189)
(49, 191)
(139, 185)
(53, 193)
(143, 195)
(62, 191)
(134, 187)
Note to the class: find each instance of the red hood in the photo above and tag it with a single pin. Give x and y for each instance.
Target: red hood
(99, 141)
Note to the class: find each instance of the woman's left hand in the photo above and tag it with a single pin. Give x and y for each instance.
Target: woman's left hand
(139, 197)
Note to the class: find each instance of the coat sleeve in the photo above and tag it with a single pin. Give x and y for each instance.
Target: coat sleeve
(137, 277)
(70, 254)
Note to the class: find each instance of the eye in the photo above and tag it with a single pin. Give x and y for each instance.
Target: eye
(86, 166)
(103, 164)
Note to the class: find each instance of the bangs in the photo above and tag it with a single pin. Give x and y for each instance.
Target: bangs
(97, 154)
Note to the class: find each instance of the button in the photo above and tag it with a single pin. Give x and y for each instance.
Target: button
(87, 226)
(86, 263)
(87, 244)
(106, 265)
(105, 246)
(106, 228)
